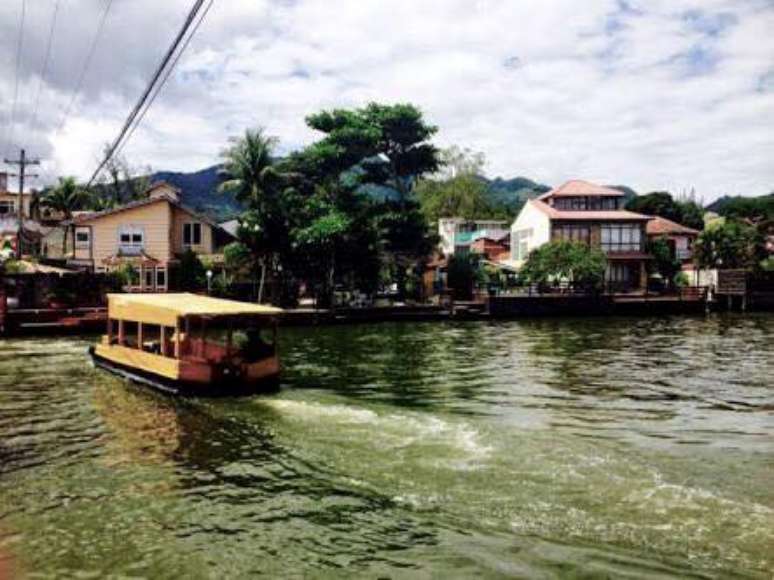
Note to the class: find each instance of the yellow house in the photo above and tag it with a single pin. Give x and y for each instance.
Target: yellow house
(148, 234)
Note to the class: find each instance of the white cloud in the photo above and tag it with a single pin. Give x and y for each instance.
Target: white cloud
(657, 95)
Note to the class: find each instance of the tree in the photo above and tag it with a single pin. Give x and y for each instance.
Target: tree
(64, 198)
(119, 182)
(729, 244)
(461, 275)
(664, 262)
(190, 272)
(661, 203)
(560, 260)
(253, 177)
(458, 190)
(381, 145)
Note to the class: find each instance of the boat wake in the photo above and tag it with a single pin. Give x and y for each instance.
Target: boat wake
(396, 430)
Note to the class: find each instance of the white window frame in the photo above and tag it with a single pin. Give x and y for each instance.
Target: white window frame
(10, 206)
(131, 231)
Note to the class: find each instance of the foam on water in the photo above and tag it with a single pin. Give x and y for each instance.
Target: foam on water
(394, 430)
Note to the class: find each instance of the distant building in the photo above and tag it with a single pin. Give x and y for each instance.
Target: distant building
(492, 250)
(679, 237)
(458, 234)
(584, 212)
(9, 200)
(148, 235)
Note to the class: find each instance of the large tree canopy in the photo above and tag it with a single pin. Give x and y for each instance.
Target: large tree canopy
(378, 145)
(561, 260)
(729, 244)
(661, 203)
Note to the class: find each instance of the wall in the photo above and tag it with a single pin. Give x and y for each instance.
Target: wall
(154, 219)
(530, 218)
(181, 217)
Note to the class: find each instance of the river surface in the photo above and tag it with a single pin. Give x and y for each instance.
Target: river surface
(582, 448)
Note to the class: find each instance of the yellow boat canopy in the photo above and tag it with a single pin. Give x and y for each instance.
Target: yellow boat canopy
(166, 309)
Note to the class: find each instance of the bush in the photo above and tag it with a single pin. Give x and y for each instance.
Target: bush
(563, 261)
(681, 280)
(190, 274)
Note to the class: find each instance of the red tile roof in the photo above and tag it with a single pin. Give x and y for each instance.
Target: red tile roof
(608, 215)
(661, 226)
(577, 187)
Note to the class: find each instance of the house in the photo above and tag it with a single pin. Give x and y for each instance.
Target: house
(148, 235)
(679, 237)
(585, 212)
(457, 234)
(9, 200)
(492, 250)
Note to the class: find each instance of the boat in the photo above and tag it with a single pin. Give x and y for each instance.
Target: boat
(188, 344)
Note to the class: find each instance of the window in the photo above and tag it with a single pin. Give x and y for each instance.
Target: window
(621, 238)
(82, 238)
(131, 240)
(572, 233)
(520, 243)
(192, 234)
(161, 279)
(149, 278)
(7, 207)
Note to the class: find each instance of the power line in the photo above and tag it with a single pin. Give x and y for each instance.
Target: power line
(133, 115)
(86, 65)
(163, 82)
(46, 61)
(19, 45)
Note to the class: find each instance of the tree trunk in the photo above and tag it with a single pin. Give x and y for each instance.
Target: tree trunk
(263, 279)
(64, 242)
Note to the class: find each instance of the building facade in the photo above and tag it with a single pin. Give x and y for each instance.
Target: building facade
(584, 212)
(147, 235)
(9, 200)
(457, 234)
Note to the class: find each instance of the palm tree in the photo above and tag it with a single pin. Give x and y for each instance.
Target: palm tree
(64, 198)
(254, 179)
(249, 166)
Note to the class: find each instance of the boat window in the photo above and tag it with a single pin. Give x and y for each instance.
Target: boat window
(130, 334)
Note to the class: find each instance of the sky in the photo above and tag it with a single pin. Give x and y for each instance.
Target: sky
(671, 95)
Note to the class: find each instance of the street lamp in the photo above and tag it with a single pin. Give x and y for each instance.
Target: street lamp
(209, 281)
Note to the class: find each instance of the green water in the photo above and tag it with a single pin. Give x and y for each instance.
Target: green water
(578, 448)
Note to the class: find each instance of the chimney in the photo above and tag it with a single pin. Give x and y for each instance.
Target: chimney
(3, 181)
(165, 190)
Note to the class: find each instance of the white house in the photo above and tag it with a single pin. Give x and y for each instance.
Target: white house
(584, 212)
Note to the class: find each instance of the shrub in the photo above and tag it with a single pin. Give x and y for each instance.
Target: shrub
(573, 262)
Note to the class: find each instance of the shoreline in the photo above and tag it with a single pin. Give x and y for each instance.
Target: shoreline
(64, 322)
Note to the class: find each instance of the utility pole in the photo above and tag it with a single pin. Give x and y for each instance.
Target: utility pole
(22, 162)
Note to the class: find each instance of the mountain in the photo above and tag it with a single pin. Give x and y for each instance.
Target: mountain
(511, 194)
(742, 204)
(200, 192)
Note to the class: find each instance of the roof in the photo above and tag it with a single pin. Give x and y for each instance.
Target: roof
(91, 216)
(231, 226)
(167, 308)
(608, 215)
(662, 226)
(577, 187)
(29, 267)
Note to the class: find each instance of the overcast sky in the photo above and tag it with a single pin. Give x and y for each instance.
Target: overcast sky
(656, 94)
